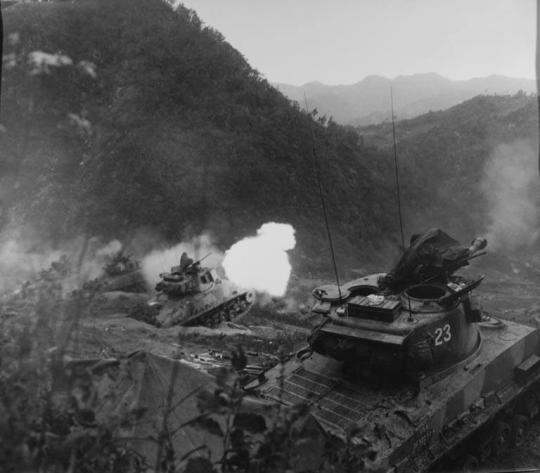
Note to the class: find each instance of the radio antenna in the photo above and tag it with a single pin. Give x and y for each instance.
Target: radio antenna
(411, 318)
(321, 196)
(397, 171)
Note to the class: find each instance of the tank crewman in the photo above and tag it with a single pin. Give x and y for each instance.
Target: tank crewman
(185, 261)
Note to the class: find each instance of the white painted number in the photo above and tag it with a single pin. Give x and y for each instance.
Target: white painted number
(443, 334)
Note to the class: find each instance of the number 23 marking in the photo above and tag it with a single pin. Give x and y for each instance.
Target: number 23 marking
(443, 334)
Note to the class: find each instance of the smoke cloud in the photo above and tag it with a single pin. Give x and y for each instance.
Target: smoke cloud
(261, 262)
(258, 262)
(512, 188)
(23, 257)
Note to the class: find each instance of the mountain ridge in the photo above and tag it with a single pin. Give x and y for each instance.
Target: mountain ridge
(368, 101)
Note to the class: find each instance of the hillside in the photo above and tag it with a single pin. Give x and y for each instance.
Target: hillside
(151, 120)
(472, 168)
(368, 101)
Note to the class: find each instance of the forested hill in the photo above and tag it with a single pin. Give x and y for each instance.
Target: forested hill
(472, 168)
(123, 114)
(368, 101)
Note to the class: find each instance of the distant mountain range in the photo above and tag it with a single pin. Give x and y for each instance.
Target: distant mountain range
(368, 101)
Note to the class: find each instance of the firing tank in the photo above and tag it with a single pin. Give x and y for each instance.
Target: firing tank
(192, 295)
(408, 370)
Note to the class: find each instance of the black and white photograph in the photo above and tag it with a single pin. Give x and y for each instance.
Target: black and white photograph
(269, 236)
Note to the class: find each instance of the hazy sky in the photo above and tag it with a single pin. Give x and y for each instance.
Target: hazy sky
(342, 41)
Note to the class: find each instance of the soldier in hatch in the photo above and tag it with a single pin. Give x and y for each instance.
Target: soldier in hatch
(185, 261)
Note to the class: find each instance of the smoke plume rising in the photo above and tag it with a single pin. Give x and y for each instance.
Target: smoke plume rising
(512, 188)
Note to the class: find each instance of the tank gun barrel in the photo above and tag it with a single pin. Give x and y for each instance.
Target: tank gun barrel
(195, 263)
(473, 251)
(477, 244)
(464, 261)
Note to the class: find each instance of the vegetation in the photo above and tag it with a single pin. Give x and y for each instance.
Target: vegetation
(61, 416)
(150, 119)
(443, 158)
(124, 114)
(158, 122)
(44, 425)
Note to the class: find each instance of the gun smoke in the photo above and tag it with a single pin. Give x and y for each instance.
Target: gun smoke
(257, 262)
(23, 257)
(261, 262)
(512, 189)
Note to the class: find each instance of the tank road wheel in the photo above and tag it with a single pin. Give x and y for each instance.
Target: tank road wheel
(519, 427)
(501, 437)
(469, 464)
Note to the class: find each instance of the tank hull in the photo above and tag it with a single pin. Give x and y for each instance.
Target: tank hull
(410, 427)
(221, 302)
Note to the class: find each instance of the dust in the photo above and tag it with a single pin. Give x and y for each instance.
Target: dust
(23, 256)
(511, 186)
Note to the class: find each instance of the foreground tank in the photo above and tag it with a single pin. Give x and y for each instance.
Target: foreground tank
(192, 295)
(405, 367)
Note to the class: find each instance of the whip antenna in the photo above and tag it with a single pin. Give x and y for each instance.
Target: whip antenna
(397, 171)
(321, 196)
(411, 318)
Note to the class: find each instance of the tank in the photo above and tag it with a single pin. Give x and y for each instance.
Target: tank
(121, 273)
(407, 368)
(192, 295)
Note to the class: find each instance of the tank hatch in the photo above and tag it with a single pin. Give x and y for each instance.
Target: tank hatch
(374, 307)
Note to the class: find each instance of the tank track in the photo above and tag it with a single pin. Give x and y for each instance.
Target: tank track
(505, 430)
(225, 312)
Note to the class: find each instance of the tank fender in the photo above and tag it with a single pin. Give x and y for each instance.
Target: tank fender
(321, 307)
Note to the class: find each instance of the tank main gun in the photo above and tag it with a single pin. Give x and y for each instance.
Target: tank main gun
(431, 257)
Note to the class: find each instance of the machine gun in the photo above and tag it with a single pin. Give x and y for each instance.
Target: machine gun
(187, 267)
(458, 290)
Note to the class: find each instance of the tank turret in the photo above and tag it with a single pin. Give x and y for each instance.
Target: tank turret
(191, 294)
(415, 321)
